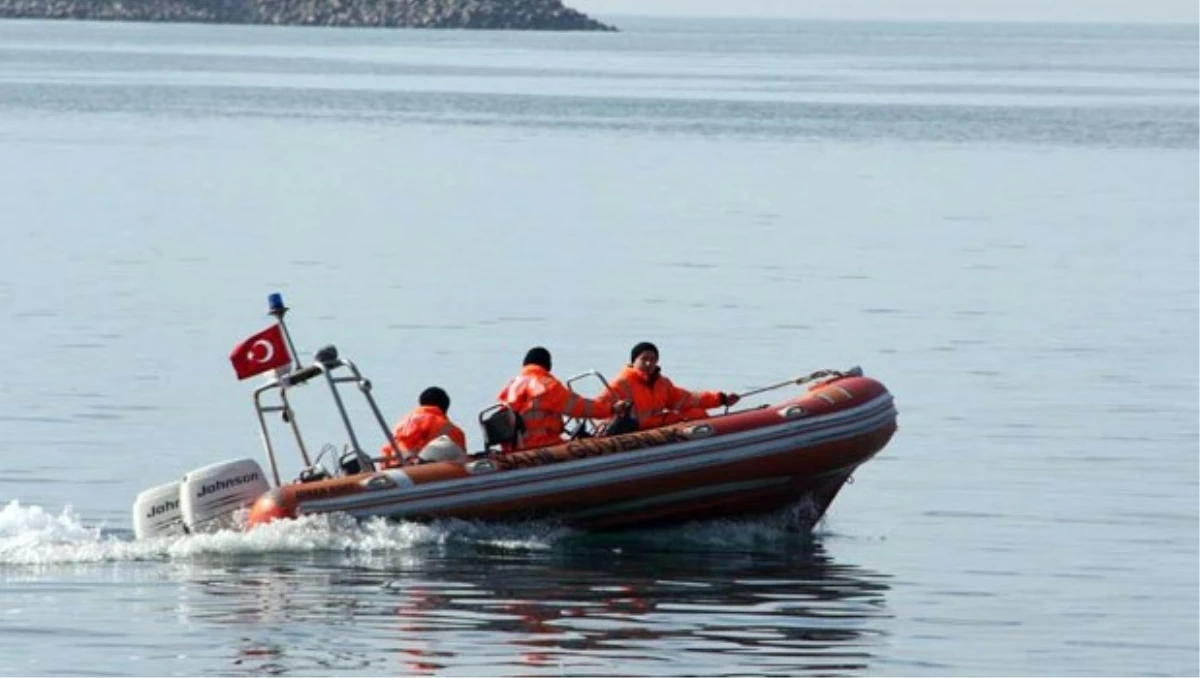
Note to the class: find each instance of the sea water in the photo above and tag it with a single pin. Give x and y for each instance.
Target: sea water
(999, 222)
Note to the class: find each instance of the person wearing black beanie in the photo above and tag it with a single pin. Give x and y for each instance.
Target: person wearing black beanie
(436, 396)
(539, 356)
(426, 422)
(542, 401)
(656, 400)
(640, 348)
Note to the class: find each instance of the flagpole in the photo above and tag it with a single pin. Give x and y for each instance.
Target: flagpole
(277, 309)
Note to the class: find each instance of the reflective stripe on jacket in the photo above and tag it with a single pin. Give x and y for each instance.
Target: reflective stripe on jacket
(658, 401)
(414, 431)
(542, 401)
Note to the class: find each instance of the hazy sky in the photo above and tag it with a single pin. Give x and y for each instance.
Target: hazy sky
(1153, 11)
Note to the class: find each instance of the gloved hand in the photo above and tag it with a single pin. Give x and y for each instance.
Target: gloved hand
(729, 399)
(621, 408)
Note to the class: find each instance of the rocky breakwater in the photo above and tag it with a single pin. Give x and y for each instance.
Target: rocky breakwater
(549, 15)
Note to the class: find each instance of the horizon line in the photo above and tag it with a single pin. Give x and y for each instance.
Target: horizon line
(898, 19)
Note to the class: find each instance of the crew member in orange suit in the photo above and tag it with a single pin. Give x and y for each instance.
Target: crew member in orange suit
(417, 428)
(655, 399)
(542, 401)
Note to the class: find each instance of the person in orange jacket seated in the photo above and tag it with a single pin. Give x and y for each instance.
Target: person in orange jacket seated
(417, 428)
(656, 400)
(542, 401)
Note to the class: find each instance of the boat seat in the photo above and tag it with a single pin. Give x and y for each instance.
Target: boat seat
(501, 425)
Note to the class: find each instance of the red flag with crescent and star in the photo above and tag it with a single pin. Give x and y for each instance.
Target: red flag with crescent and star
(260, 352)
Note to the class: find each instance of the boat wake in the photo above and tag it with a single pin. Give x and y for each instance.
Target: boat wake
(31, 535)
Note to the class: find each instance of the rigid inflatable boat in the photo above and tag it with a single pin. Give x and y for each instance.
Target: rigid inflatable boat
(797, 452)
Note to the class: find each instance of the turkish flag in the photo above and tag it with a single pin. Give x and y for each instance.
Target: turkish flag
(260, 352)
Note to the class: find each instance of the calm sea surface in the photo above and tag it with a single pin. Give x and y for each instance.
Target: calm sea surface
(999, 222)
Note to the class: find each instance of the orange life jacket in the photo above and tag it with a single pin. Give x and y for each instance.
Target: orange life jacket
(414, 431)
(542, 401)
(657, 401)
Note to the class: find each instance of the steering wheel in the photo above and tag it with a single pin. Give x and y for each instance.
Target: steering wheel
(579, 427)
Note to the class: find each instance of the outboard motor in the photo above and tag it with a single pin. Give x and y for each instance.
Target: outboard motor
(210, 496)
(157, 513)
